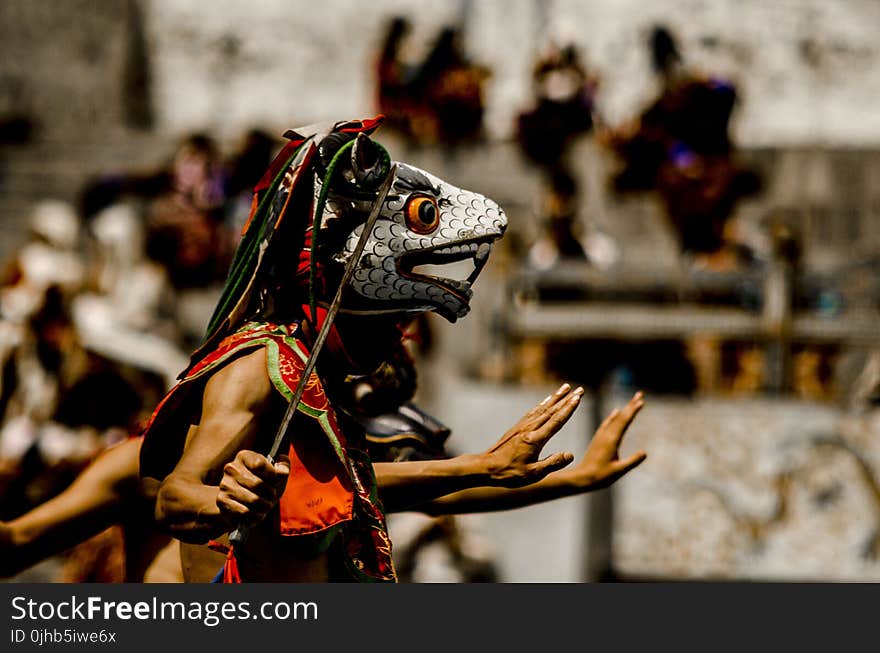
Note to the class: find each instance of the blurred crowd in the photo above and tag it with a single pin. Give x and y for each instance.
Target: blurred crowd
(679, 147)
(678, 152)
(102, 304)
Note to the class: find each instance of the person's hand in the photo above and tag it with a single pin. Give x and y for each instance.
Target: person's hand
(514, 460)
(250, 487)
(601, 465)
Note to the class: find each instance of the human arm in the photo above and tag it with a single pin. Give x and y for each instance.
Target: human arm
(218, 481)
(600, 467)
(511, 463)
(93, 502)
(209, 493)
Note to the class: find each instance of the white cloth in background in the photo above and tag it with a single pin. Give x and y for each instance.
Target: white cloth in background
(17, 436)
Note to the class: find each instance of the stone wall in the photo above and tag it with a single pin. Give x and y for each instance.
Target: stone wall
(750, 489)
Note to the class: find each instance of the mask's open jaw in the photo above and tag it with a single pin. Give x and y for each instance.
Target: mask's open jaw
(429, 262)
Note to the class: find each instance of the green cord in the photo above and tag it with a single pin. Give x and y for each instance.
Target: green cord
(319, 212)
(316, 218)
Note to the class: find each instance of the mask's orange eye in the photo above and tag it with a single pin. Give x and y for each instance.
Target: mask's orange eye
(422, 214)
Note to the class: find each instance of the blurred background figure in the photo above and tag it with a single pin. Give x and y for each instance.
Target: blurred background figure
(451, 84)
(189, 214)
(49, 257)
(563, 233)
(563, 103)
(441, 550)
(130, 311)
(244, 168)
(63, 403)
(438, 100)
(394, 73)
(680, 148)
(562, 112)
(41, 353)
(182, 205)
(186, 215)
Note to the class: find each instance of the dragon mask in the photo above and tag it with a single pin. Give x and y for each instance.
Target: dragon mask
(423, 221)
(320, 190)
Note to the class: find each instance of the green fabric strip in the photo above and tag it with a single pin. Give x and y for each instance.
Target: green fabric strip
(244, 262)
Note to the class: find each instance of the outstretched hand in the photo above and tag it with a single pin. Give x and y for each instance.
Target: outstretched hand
(514, 461)
(601, 465)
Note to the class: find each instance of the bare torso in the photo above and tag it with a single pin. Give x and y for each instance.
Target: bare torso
(264, 559)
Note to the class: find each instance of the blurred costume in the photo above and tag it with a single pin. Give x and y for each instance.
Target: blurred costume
(307, 213)
(442, 550)
(187, 216)
(183, 212)
(439, 100)
(562, 112)
(563, 107)
(393, 77)
(680, 147)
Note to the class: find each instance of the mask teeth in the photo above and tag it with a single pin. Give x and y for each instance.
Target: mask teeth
(483, 252)
(480, 260)
(471, 248)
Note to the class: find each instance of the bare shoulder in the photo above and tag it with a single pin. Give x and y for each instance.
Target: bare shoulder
(229, 397)
(243, 383)
(237, 400)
